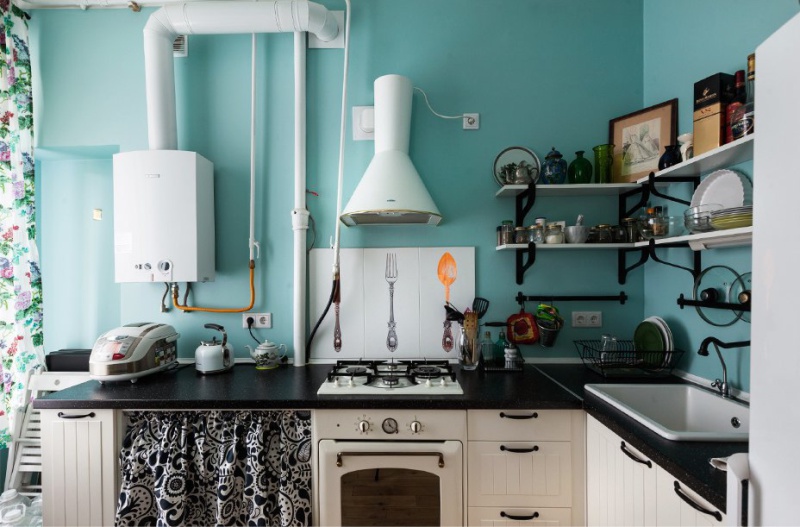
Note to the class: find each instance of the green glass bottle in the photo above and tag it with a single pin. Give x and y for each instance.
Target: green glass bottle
(580, 170)
(498, 356)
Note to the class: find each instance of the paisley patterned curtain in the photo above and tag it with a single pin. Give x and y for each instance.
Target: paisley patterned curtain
(216, 468)
(20, 280)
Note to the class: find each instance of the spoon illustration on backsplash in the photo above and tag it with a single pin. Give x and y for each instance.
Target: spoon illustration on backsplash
(447, 272)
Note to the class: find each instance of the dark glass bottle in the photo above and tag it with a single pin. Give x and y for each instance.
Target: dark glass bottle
(671, 156)
(744, 117)
(580, 170)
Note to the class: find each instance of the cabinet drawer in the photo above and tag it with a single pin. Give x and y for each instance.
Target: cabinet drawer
(519, 425)
(505, 474)
(511, 516)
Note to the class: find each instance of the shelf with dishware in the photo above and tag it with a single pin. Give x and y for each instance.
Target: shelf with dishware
(737, 237)
(726, 155)
(566, 246)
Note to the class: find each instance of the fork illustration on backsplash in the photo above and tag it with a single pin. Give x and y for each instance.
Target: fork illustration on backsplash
(391, 278)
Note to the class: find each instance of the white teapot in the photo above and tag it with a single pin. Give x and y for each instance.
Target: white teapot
(267, 355)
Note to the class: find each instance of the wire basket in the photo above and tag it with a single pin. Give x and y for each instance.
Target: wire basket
(626, 360)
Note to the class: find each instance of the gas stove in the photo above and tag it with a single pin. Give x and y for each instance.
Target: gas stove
(401, 377)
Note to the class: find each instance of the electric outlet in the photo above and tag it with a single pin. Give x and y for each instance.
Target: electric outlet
(260, 320)
(472, 121)
(587, 319)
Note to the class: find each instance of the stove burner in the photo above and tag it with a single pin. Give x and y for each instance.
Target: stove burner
(427, 372)
(356, 371)
(390, 380)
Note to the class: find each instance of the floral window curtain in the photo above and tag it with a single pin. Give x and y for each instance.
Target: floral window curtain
(216, 468)
(20, 280)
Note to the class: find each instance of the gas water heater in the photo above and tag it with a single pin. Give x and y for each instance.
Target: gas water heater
(163, 217)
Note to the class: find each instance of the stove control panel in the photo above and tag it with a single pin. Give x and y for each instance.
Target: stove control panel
(390, 424)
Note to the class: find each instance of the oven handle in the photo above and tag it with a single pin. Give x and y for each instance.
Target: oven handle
(504, 415)
(534, 448)
(340, 455)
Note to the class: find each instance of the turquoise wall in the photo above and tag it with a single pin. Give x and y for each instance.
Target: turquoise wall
(541, 73)
(714, 36)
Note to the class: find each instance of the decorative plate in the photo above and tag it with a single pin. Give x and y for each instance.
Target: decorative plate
(515, 155)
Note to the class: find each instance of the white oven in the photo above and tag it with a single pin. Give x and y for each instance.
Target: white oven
(389, 467)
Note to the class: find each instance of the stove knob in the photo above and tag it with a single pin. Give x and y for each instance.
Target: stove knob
(443, 382)
(363, 426)
(415, 426)
(428, 383)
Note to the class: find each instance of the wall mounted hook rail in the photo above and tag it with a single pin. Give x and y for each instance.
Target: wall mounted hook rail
(682, 302)
(621, 298)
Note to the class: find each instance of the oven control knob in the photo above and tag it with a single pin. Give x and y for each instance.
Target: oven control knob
(363, 426)
(415, 427)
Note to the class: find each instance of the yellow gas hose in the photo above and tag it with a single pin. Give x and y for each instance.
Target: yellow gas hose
(177, 303)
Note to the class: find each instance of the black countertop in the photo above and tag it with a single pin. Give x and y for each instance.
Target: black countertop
(290, 387)
(544, 386)
(685, 460)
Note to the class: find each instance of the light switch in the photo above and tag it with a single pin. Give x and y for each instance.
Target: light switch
(363, 123)
(97, 214)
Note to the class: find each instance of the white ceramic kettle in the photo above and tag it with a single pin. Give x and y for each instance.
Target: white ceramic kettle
(214, 356)
(267, 355)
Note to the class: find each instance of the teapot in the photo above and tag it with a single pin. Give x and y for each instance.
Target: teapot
(267, 355)
(213, 356)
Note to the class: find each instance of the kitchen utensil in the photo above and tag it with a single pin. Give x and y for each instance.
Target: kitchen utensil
(391, 278)
(726, 187)
(469, 347)
(522, 328)
(447, 337)
(212, 356)
(506, 163)
(480, 306)
(647, 338)
(698, 218)
(453, 314)
(742, 292)
(337, 328)
(660, 227)
(731, 218)
(715, 284)
(577, 233)
(268, 355)
(133, 351)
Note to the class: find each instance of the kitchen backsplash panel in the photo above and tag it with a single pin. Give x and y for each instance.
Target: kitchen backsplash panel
(418, 301)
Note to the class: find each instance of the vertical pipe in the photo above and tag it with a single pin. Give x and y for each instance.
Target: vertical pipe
(299, 213)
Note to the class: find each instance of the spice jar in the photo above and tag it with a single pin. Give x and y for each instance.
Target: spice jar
(631, 232)
(507, 232)
(521, 235)
(554, 234)
(536, 234)
(604, 233)
(619, 234)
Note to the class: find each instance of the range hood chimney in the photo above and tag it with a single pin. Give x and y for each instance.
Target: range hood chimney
(391, 191)
(213, 18)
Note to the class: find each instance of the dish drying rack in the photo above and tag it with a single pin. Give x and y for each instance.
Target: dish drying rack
(626, 360)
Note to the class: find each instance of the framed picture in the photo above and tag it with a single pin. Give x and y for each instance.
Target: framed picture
(639, 139)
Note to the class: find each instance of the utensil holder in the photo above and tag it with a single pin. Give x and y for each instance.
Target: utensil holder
(469, 351)
(548, 332)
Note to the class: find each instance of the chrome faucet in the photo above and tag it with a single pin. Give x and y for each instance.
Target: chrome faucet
(721, 385)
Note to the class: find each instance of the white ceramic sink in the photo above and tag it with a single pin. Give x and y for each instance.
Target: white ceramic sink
(680, 412)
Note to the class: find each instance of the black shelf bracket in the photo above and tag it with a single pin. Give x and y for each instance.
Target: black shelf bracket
(683, 302)
(624, 210)
(524, 203)
(651, 186)
(648, 252)
(621, 298)
(524, 264)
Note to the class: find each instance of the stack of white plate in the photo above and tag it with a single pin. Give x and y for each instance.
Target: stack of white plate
(654, 335)
(726, 187)
(731, 218)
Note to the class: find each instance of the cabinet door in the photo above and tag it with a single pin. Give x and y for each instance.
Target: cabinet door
(79, 466)
(620, 481)
(511, 517)
(520, 474)
(674, 510)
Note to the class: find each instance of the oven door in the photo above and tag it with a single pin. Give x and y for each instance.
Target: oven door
(390, 483)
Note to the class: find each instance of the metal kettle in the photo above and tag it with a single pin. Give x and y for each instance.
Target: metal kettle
(214, 356)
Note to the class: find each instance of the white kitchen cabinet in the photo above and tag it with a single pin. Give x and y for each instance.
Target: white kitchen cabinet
(525, 467)
(621, 491)
(674, 510)
(621, 482)
(80, 478)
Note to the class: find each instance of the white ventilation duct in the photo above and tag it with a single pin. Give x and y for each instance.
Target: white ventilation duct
(213, 18)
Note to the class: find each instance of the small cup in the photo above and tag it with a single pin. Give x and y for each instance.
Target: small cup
(608, 343)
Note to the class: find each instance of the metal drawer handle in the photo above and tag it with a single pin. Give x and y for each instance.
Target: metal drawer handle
(633, 457)
(340, 455)
(534, 415)
(716, 514)
(534, 448)
(519, 518)
(62, 415)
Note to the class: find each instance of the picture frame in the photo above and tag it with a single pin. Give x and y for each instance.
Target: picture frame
(639, 139)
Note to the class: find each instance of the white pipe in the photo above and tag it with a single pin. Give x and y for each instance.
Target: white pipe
(300, 212)
(278, 16)
(342, 131)
(252, 242)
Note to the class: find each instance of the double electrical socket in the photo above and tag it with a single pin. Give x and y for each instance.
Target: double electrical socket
(260, 320)
(587, 319)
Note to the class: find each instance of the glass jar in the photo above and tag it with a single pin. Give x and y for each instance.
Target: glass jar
(592, 238)
(554, 169)
(521, 235)
(603, 161)
(554, 234)
(536, 234)
(507, 232)
(631, 231)
(604, 233)
(619, 234)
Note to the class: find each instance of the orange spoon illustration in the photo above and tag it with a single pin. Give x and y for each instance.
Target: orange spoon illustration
(447, 272)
